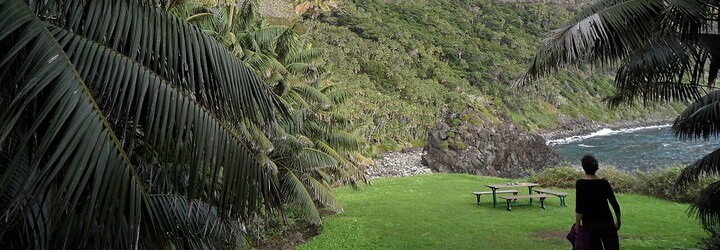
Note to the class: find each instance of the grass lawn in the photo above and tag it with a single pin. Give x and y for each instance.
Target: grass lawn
(438, 211)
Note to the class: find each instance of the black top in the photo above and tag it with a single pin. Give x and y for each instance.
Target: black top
(592, 198)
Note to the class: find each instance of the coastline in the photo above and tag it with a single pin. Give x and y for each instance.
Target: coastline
(579, 128)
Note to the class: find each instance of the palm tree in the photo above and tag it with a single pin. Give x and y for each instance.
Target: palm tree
(314, 6)
(311, 150)
(121, 128)
(664, 49)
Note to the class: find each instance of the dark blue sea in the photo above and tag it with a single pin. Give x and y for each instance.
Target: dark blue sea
(636, 148)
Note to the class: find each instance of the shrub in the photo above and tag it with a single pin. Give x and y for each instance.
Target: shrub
(659, 183)
(656, 183)
(562, 177)
(621, 181)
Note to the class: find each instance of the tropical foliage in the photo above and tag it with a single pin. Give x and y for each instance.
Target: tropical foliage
(122, 127)
(312, 149)
(407, 64)
(666, 51)
(314, 6)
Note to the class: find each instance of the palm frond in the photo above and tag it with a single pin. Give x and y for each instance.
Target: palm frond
(343, 140)
(86, 86)
(707, 206)
(212, 79)
(323, 194)
(700, 119)
(304, 70)
(170, 117)
(709, 46)
(266, 37)
(687, 18)
(666, 70)
(311, 94)
(303, 55)
(76, 150)
(708, 165)
(296, 192)
(614, 30)
(594, 9)
(310, 157)
(191, 223)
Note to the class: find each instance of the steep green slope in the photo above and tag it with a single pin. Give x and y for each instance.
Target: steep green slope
(408, 62)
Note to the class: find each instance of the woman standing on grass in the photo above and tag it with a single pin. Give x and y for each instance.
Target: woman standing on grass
(592, 212)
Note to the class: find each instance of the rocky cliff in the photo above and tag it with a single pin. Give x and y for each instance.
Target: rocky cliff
(469, 142)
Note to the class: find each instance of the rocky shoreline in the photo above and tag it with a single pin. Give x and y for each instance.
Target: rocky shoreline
(409, 161)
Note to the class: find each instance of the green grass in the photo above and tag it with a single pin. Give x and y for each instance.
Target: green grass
(438, 211)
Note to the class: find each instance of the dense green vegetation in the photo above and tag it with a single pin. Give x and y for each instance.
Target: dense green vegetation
(187, 123)
(438, 211)
(116, 135)
(408, 62)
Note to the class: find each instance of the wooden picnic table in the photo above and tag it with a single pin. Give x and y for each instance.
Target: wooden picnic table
(495, 187)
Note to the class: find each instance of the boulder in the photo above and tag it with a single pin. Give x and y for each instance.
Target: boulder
(469, 142)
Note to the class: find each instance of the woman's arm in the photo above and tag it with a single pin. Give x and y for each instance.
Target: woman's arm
(616, 207)
(579, 203)
(578, 220)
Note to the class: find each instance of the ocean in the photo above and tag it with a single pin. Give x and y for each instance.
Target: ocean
(653, 147)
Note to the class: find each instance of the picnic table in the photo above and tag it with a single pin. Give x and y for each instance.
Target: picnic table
(495, 187)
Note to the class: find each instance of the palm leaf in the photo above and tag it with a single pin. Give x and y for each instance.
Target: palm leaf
(666, 70)
(708, 165)
(212, 79)
(700, 119)
(687, 18)
(615, 29)
(76, 140)
(296, 192)
(165, 127)
(310, 157)
(323, 194)
(343, 140)
(707, 206)
(81, 97)
(312, 94)
(192, 223)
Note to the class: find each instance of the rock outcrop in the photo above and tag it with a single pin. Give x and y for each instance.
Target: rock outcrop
(469, 142)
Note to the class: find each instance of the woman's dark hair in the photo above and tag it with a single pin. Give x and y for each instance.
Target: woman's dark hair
(589, 164)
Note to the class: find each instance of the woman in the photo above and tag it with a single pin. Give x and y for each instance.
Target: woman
(592, 212)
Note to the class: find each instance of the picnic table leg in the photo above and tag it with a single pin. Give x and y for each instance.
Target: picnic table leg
(562, 201)
(530, 192)
(494, 198)
(542, 202)
(478, 198)
(508, 205)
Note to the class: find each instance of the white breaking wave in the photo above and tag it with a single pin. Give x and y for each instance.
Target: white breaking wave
(602, 132)
(585, 146)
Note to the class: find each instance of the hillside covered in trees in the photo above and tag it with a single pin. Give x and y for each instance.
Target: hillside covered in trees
(407, 63)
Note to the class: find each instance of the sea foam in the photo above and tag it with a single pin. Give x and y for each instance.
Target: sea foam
(601, 132)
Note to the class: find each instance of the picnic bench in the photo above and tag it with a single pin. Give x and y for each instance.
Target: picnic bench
(478, 194)
(495, 187)
(559, 194)
(510, 198)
